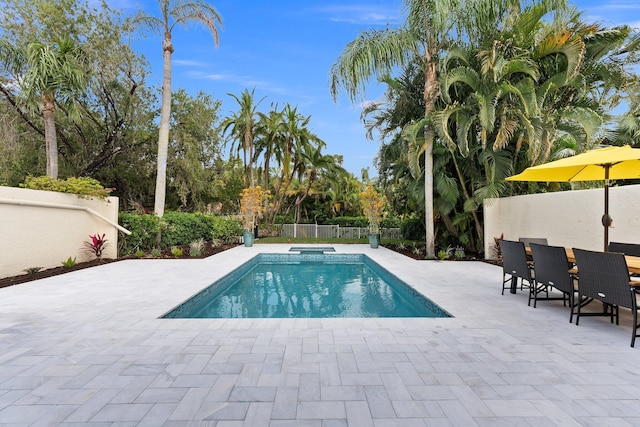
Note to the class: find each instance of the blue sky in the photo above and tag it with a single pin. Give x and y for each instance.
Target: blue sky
(285, 49)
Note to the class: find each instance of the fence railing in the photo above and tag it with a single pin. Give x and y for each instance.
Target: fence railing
(334, 232)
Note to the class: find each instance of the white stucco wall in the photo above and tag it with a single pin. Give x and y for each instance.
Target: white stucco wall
(566, 218)
(46, 236)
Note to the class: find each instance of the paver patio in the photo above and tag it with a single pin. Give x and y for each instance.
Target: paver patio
(88, 347)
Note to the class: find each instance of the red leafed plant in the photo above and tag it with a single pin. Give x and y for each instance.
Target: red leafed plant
(96, 245)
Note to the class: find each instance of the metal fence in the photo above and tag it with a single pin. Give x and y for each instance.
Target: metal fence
(334, 232)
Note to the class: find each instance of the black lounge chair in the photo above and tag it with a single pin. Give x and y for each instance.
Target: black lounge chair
(514, 264)
(552, 271)
(604, 276)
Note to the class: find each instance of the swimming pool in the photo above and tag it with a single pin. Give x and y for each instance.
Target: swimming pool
(308, 285)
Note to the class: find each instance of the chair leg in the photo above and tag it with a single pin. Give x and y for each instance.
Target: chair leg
(635, 325)
(571, 298)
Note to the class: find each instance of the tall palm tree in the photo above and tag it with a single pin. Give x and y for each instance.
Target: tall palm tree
(173, 13)
(378, 53)
(47, 74)
(269, 137)
(243, 128)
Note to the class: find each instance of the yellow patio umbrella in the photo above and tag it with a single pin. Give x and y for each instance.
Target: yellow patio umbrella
(602, 164)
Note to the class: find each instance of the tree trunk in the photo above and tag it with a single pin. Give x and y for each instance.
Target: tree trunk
(430, 94)
(163, 137)
(51, 144)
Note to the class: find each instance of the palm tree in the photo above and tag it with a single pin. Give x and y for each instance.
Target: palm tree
(378, 53)
(173, 13)
(46, 75)
(269, 137)
(243, 129)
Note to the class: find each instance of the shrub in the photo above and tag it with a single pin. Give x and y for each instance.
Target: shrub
(178, 228)
(176, 251)
(226, 230)
(181, 228)
(84, 186)
(349, 221)
(413, 229)
(144, 232)
(156, 253)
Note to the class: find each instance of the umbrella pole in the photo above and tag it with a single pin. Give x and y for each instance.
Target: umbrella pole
(606, 219)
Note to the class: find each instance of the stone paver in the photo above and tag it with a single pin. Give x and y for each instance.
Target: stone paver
(90, 348)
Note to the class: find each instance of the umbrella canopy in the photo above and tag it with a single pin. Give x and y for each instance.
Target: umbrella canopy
(594, 165)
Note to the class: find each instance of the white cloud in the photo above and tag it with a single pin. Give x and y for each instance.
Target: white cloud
(187, 63)
(361, 15)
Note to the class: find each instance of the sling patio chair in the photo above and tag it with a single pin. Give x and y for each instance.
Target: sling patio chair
(604, 276)
(630, 249)
(514, 264)
(552, 272)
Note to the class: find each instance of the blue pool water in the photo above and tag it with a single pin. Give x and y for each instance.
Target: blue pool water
(308, 286)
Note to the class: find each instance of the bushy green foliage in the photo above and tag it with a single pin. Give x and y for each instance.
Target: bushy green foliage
(413, 229)
(181, 228)
(178, 228)
(176, 251)
(362, 221)
(84, 186)
(144, 232)
(349, 221)
(391, 223)
(226, 230)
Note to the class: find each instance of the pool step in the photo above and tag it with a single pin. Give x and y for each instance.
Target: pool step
(312, 249)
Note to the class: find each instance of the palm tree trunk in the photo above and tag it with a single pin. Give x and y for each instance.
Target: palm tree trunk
(430, 95)
(51, 144)
(163, 137)
(467, 196)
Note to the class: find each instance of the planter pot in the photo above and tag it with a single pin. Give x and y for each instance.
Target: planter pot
(374, 240)
(248, 238)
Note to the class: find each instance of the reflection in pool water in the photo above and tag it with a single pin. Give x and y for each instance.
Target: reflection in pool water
(308, 286)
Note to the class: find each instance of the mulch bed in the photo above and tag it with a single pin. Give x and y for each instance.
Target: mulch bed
(166, 254)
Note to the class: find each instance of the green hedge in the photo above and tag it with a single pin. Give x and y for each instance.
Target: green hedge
(178, 228)
(84, 187)
(362, 221)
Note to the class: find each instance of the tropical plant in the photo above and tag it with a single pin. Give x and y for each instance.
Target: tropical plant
(47, 75)
(96, 245)
(173, 13)
(32, 270)
(243, 129)
(377, 53)
(70, 262)
(372, 205)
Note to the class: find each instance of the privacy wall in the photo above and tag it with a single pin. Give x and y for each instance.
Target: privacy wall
(44, 228)
(566, 218)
